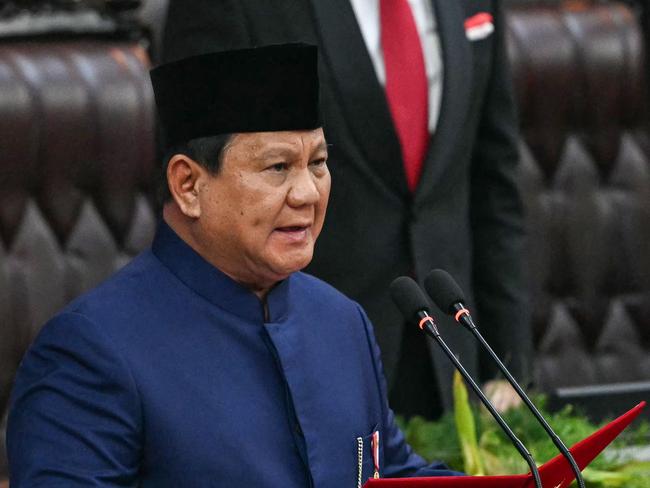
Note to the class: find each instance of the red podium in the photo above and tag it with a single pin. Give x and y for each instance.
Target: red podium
(554, 474)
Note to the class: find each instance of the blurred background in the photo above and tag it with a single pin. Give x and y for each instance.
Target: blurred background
(78, 154)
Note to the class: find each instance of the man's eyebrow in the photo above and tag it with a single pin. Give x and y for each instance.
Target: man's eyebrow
(274, 152)
(323, 146)
(284, 150)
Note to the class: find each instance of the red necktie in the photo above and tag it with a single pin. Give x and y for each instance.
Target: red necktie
(406, 84)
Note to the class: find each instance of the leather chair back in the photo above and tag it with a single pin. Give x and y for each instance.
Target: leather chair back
(77, 150)
(580, 77)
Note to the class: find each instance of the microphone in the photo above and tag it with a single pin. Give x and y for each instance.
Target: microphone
(448, 296)
(412, 302)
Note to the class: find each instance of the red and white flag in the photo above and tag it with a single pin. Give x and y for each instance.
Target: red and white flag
(479, 26)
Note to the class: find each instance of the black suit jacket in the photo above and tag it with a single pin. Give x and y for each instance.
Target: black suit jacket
(465, 216)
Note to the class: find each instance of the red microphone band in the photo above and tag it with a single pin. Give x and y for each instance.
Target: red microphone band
(460, 313)
(424, 321)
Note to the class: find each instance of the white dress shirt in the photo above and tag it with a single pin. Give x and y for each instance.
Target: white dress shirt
(367, 14)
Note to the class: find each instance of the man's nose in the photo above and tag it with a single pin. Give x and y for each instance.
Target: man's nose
(304, 190)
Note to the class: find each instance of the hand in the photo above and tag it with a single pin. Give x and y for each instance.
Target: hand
(502, 395)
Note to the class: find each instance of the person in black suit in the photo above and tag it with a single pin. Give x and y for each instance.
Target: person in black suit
(458, 210)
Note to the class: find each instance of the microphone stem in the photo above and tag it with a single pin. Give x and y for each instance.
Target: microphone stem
(431, 330)
(469, 323)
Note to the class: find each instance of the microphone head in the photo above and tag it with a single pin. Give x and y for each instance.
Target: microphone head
(443, 290)
(408, 297)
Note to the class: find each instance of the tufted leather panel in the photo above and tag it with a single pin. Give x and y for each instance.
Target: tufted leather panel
(77, 152)
(580, 80)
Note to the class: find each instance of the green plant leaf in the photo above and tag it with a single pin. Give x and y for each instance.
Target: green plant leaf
(466, 426)
(453, 439)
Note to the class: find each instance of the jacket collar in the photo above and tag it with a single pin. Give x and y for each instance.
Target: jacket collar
(456, 96)
(213, 285)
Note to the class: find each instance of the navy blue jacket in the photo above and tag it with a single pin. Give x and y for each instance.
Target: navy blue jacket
(171, 374)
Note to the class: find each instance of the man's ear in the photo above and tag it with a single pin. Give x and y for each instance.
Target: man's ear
(183, 177)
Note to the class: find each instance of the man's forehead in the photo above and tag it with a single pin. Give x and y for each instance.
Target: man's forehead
(263, 142)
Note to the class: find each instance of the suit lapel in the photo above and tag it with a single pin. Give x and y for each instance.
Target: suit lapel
(456, 91)
(360, 93)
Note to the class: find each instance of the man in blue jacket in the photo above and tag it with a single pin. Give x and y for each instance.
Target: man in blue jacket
(210, 360)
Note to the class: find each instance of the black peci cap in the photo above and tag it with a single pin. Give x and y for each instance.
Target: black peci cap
(271, 88)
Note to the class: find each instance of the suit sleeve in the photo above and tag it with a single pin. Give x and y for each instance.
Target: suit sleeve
(497, 222)
(200, 26)
(75, 418)
(399, 460)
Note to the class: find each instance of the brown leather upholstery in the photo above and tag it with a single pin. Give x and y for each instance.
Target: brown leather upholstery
(580, 79)
(77, 139)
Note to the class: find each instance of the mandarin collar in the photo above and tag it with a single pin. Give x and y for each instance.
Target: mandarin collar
(212, 284)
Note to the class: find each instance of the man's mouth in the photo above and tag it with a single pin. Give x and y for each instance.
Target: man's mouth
(294, 233)
(293, 228)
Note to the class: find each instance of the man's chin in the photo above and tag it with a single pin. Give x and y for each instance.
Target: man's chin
(287, 268)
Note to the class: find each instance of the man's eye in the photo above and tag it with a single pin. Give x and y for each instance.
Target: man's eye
(318, 162)
(278, 167)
